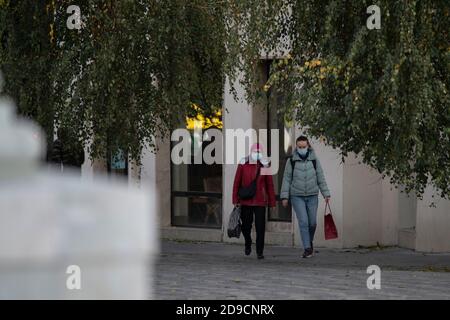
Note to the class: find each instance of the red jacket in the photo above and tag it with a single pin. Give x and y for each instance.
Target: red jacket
(265, 194)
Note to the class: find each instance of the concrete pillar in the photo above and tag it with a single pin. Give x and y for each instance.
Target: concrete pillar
(65, 238)
(362, 204)
(390, 216)
(433, 223)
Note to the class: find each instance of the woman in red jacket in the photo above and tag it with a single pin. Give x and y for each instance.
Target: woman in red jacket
(246, 172)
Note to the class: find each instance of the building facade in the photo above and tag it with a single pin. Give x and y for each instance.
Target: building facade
(194, 200)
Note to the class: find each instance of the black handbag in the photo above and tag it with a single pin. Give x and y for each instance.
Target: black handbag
(234, 223)
(249, 192)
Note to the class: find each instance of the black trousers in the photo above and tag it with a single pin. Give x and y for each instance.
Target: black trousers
(247, 213)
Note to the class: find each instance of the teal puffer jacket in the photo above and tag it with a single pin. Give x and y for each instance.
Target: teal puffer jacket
(306, 180)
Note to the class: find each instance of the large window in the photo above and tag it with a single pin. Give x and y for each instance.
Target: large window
(276, 120)
(279, 213)
(197, 188)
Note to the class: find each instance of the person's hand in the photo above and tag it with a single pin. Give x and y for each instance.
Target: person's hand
(327, 199)
(285, 203)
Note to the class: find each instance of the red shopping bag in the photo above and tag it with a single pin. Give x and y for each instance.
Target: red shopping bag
(330, 227)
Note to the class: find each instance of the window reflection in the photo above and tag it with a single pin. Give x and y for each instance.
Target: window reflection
(276, 120)
(197, 188)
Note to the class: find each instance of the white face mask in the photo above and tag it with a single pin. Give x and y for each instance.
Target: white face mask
(256, 156)
(302, 151)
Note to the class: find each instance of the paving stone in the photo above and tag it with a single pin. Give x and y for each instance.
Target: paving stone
(190, 270)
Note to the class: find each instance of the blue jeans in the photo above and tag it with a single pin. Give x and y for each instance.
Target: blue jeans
(305, 208)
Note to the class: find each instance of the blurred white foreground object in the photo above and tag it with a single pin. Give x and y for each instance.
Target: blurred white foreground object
(59, 233)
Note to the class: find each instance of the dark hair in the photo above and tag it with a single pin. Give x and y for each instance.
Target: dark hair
(303, 138)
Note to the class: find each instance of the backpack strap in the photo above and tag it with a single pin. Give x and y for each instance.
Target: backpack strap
(293, 166)
(259, 165)
(258, 169)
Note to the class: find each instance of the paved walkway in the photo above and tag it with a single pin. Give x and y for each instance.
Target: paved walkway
(187, 270)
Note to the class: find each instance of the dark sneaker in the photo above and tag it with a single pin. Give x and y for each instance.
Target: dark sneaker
(308, 253)
(248, 250)
(260, 256)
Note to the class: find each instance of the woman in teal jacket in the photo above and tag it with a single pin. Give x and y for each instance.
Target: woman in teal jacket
(303, 178)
